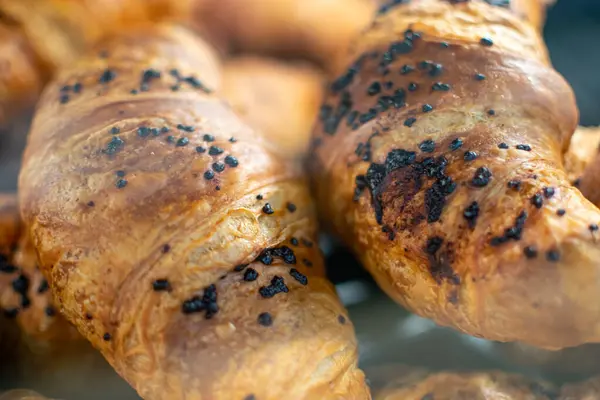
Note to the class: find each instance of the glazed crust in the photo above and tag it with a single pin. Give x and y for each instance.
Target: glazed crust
(421, 385)
(188, 215)
(258, 87)
(496, 243)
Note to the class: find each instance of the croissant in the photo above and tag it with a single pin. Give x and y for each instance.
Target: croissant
(37, 37)
(422, 385)
(438, 157)
(258, 87)
(587, 180)
(25, 296)
(180, 242)
(583, 150)
(320, 30)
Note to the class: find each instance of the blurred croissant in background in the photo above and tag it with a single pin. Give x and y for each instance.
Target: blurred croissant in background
(39, 36)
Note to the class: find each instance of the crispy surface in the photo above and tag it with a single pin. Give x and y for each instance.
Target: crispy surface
(421, 385)
(278, 98)
(477, 243)
(102, 247)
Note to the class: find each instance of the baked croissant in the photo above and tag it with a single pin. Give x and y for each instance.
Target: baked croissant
(39, 36)
(438, 157)
(24, 293)
(587, 181)
(422, 385)
(184, 235)
(320, 30)
(280, 99)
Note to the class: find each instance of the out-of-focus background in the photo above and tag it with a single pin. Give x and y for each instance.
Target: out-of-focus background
(386, 332)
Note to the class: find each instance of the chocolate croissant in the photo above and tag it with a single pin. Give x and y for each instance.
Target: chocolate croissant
(179, 241)
(438, 157)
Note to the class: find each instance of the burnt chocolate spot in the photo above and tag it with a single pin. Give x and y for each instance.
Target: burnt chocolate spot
(161, 285)
(250, 275)
(267, 209)
(283, 252)
(297, 275)
(469, 155)
(206, 303)
(427, 146)
(265, 319)
(553, 255)
(433, 245)
(548, 192)
(514, 185)
(231, 161)
(486, 42)
(530, 251)
(537, 200)
(410, 121)
(107, 76)
(389, 5)
(43, 288)
(482, 177)
(277, 286)
(471, 213)
(512, 233)
(439, 262)
(456, 144)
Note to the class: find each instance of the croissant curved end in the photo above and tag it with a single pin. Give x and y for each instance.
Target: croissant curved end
(438, 157)
(179, 241)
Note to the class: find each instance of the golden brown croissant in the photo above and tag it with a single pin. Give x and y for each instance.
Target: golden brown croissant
(185, 236)
(279, 99)
(438, 158)
(422, 385)
(39, 36)
(24, 293)
(318, 29)
(583, 149)
(588, 157)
